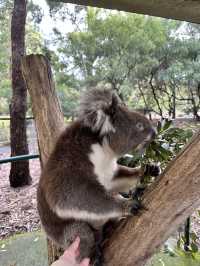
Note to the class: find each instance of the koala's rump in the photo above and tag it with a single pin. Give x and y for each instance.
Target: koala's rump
(64, 232)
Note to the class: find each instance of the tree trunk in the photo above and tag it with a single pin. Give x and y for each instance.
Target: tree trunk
(172, 198)
(19, 173)
(174, 102)
(155, 96)
(47, 113)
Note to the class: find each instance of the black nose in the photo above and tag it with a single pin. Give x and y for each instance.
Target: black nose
(153, 133)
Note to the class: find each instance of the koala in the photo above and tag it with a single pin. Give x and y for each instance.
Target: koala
(79, 185)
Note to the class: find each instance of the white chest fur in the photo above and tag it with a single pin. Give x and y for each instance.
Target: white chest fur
(105, 164)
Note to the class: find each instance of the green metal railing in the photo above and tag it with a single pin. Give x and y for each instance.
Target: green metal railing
(5, 118)
(19, 158)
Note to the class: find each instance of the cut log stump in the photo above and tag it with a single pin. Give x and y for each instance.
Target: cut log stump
(47, 113)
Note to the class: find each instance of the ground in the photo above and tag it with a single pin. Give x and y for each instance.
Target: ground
(18, 211)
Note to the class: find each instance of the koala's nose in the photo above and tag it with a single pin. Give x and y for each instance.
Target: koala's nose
(153, 133)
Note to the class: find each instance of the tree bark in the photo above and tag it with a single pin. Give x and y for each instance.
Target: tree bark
(169, 201)
(19, 173)
(172, 198)
(49, 119)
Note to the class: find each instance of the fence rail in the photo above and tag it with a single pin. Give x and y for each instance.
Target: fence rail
(8, 118)
(19, 158)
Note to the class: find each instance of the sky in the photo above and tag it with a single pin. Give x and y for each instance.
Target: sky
(48, 23)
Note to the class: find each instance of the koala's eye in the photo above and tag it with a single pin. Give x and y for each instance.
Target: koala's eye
(140, 126)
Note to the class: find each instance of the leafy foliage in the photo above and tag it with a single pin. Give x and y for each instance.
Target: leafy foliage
(168, 142)
(145, 59)
(33, 40)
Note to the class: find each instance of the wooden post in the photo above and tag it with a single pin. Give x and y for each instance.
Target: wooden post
(173, 197)
(49, 119)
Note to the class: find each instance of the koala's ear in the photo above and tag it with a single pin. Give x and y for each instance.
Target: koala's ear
(99, 121)
(96, 110)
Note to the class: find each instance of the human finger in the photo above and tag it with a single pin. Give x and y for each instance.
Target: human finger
(73, 248)
(85, 262)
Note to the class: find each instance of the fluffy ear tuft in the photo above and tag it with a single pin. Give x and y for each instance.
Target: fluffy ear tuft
(97, 106)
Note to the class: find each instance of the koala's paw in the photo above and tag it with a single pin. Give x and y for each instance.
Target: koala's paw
(152, 170)
(137, 207)
(138, 192)
(132, 207)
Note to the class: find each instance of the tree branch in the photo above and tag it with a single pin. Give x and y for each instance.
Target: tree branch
(172, 198)
(155, 96)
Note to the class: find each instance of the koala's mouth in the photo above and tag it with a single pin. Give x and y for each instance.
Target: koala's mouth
(142, 146)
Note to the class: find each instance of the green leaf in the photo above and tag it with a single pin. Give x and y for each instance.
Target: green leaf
(159, 126)
(193, 236)
(179, 242)
(167, 124)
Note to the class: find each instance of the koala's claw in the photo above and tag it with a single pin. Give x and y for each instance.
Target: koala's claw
(152, 170)
(125, 195)
(138, 192)
(132, 207)
(137, 207)
(98, 261)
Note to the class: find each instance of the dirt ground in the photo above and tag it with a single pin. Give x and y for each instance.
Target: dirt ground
(18, 212)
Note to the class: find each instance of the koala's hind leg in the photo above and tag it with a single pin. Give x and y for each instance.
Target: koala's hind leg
(86, 234)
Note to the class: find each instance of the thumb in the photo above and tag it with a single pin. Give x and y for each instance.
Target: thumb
(73, 248)
(85, 262)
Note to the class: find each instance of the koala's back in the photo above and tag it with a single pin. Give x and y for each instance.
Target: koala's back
(69, 166)
(67, 177)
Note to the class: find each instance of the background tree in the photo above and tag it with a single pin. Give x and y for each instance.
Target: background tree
(5, 92)
(34, 43)
(122, 51)
(19, 173)
(151, 62)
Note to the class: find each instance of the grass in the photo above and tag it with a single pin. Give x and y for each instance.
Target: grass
(163, 259)
(27, 249)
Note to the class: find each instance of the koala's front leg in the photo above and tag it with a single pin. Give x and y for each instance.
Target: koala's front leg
(126, 178)
(97, 207)
(137, 172)
(128, 172)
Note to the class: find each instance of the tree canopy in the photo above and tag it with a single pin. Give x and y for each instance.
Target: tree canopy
(152, 62)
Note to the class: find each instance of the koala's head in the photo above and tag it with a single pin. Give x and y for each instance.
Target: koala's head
(125, 130)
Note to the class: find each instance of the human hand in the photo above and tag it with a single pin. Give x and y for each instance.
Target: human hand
(70, 255)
